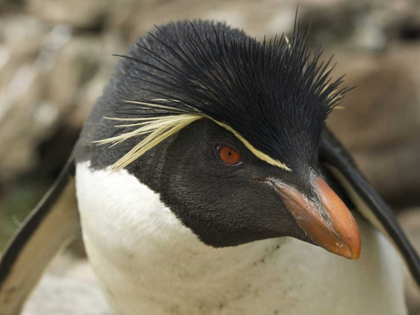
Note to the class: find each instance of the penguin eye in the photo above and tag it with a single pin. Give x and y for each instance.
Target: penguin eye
(228, 155)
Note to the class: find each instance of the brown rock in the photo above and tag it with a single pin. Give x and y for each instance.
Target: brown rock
(20, 87)
(380, 122)
(410, 221)
(68, 288)
(78, 13)
(257, 18)
(47, 74)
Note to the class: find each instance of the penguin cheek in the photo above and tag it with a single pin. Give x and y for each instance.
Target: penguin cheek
(246, 214)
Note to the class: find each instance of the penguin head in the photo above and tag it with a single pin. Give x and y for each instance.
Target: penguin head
(226, 129)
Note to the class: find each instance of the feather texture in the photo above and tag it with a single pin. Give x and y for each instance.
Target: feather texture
(273, 95)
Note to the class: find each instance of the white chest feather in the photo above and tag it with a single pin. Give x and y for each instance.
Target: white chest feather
(150, 264)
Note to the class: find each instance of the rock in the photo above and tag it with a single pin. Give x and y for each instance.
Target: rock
(80, 64)
(257, 18)
(47, 74)
(77, 13)
(410, 221)
(380, 122)
(366, 26)
(21, 86)
(68, 288)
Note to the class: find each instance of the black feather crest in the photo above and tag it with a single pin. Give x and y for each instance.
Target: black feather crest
(275, 93)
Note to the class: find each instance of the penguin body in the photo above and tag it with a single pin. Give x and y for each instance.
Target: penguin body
(222, 191)
(148, 262)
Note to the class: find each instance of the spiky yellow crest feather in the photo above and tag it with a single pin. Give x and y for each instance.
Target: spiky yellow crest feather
(162, 127)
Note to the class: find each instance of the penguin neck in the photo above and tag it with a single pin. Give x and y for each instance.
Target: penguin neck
(140, 227)
(145, 258)
(139, 232)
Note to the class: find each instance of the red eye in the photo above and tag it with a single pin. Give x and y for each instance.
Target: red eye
(228, 155)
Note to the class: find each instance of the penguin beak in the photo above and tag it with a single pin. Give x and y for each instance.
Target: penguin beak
(326, 219)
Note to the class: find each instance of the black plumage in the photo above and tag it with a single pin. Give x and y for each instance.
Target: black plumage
(275, 93)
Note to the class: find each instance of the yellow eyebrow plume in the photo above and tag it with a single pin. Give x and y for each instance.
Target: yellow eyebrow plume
(250, 147)
(158, 129)
(162, 127)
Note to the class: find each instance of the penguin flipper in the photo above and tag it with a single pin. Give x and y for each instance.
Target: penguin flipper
(49, 226)
(367, 201)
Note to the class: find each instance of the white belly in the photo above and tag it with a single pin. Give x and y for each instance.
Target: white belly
(149, 263)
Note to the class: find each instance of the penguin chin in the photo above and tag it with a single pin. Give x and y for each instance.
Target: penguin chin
(240, 239)
(122, 214)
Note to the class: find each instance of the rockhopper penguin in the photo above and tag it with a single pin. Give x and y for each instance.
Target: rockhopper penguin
(207, 183)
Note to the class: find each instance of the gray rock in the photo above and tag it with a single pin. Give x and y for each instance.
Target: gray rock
(68, 288)
(48, 78)
(77, 13)
(410, 221)
(380, 122)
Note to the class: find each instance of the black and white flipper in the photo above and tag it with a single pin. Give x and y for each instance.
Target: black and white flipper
(367, 201)
(49, 227)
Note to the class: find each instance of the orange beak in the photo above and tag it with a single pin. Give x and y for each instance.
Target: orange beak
(328, 222)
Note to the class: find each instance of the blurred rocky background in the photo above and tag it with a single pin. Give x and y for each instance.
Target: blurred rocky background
(56, 57)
